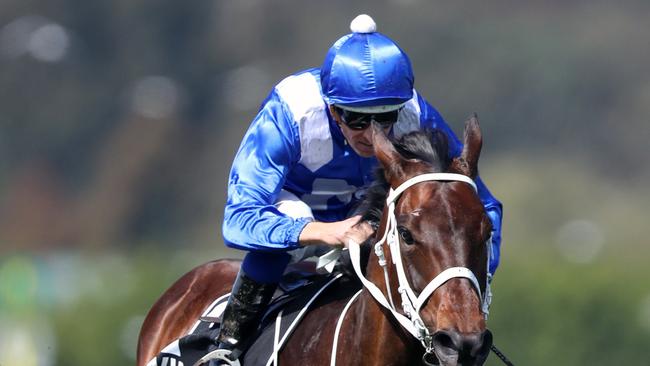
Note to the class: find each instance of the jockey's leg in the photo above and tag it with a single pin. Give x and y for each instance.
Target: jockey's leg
(256, 282)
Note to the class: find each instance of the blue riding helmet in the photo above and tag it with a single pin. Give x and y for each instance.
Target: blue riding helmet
(365, 71)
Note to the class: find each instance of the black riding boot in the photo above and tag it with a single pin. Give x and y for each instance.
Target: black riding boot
(244, 310)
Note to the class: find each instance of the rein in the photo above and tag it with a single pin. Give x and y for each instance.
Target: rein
(411, 303)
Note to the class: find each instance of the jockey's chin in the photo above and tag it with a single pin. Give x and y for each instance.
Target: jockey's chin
(364, 150)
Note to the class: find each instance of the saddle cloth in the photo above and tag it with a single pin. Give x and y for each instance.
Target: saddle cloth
(288, 307)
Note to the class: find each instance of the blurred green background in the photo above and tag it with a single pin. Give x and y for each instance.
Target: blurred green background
(119, 120)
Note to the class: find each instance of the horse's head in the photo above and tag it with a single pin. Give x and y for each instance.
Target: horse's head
(441, 226)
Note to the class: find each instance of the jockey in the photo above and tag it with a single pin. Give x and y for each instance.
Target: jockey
(306, 159)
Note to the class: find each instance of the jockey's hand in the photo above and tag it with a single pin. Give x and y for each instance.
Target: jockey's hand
(336, 234)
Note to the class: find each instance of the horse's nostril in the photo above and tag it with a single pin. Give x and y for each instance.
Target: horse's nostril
(466, 347)
(445, 341)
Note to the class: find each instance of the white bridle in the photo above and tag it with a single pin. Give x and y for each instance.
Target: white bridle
(412, 303)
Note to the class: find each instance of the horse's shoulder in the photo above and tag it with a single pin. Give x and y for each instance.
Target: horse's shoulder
(331, 303)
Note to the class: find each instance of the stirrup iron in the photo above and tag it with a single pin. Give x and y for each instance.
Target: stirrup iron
(220, 355)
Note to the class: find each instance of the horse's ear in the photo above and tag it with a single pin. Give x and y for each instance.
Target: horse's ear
(467, 162)
(386, 153)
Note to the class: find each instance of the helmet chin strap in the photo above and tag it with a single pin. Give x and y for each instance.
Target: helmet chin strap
(412, 303)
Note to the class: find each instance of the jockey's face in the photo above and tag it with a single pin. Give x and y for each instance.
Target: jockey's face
(359, 139)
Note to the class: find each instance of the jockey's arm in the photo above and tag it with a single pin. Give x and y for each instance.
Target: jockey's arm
(268, 151)
(336, 234)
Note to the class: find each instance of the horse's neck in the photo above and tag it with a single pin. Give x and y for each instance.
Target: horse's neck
(380, 334)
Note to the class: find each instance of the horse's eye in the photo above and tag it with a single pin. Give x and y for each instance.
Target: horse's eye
(405, 235)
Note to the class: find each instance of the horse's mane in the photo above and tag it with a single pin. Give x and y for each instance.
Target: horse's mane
(430, 146)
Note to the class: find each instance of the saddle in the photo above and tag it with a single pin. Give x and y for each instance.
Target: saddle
(291, 302)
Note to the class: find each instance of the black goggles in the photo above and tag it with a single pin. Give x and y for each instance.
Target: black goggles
(360, 121)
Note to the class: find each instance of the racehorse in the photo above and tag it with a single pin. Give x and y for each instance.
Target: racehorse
(431, 252)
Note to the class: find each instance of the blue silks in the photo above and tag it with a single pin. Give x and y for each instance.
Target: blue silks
(294, 144)
(265, 267)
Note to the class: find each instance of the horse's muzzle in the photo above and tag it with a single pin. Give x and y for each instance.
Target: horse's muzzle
(453, 348)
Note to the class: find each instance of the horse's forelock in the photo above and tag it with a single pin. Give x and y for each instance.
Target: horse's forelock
(427, 145)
